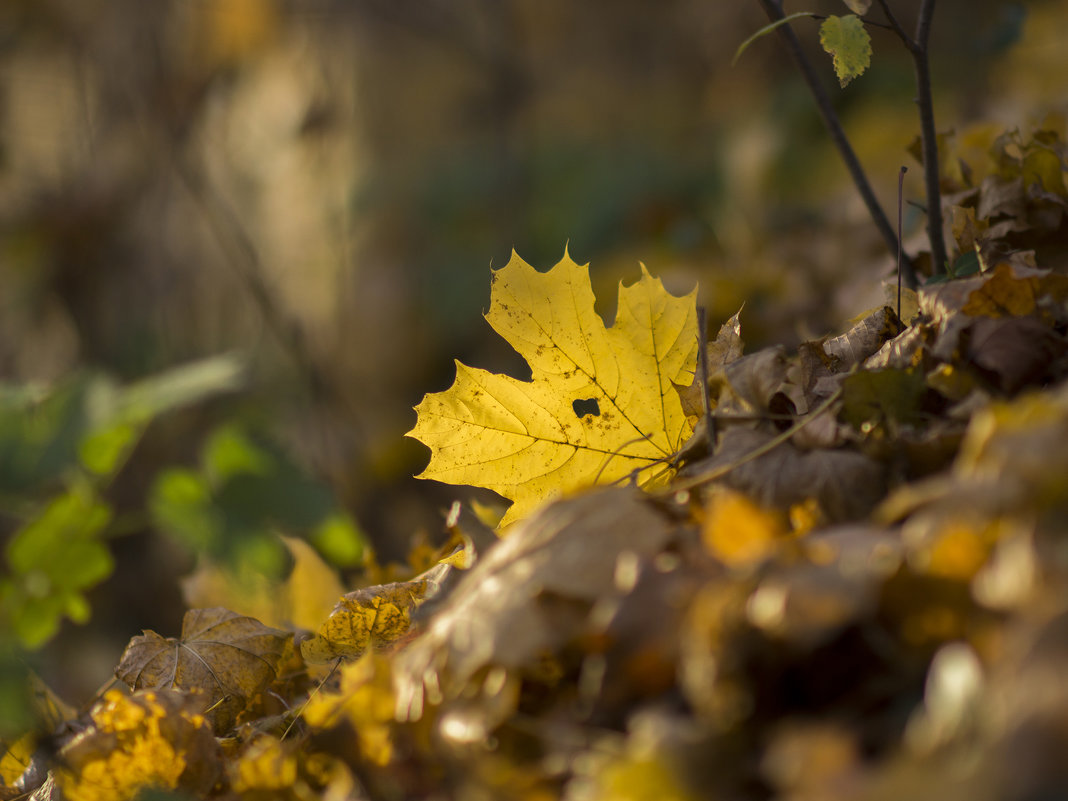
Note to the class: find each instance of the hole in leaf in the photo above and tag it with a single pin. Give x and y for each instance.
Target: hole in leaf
(585, 407)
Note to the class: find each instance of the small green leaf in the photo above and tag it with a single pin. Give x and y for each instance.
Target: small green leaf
(766, 30)
(847, 41)
(231, 452)
(103, 451)
(53, 558)
(181, 505)
(339, 540)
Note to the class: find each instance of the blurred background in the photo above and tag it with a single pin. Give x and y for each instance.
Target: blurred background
(319, 188)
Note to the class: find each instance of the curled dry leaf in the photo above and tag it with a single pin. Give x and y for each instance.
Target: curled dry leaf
(529, 594)
(748, 384)
(371, 617)
(726, 348)
(864, 339)
(226, 656)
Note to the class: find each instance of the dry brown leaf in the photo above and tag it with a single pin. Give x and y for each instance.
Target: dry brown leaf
(529, 594)
(1000, 198)
(1009, 291)
(228, 657)
(864, 339)
(723, 350)
(846, 484)
(728, 345)
(1012, 351)
(747, 385)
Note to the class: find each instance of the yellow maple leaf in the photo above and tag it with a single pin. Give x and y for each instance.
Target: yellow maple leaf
(601, 402)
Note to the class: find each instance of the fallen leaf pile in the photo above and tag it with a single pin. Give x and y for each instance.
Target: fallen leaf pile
(838, 573)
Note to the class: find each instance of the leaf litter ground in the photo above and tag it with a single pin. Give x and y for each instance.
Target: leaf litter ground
(853, 586)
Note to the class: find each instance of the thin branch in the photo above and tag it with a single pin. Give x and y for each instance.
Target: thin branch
(865, 20)
(900, 187)
(919, 47)
(897, 27)
(923, 25)
(773, 8)
(929, 137)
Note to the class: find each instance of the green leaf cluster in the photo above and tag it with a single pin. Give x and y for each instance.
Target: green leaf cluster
(60, 448)
(245, 490)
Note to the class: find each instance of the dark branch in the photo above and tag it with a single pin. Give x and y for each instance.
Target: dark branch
(773, 8)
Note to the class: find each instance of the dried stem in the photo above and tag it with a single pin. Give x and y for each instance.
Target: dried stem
(773, 8)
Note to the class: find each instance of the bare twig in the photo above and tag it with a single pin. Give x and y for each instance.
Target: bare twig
(870, 22)
(919, 47)
(895, 25)
(900, 186)
(773, 8)
(702, 376)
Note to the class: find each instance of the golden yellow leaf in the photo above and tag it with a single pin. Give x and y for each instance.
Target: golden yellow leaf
(372, 617)
(150, 739)
(601, 402)
(228, 657)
